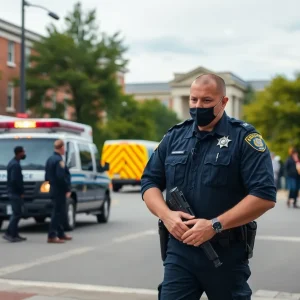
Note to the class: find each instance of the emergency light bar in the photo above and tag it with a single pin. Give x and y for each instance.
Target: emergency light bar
(32, 124)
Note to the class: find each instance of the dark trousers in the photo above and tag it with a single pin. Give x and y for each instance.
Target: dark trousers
(293, 187)
(16, 205)
(188, 274)
(59, 212)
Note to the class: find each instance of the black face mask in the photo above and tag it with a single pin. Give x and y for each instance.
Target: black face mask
(23, 156)
(203, 116)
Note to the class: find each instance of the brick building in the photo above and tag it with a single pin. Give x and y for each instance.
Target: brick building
(10, 63)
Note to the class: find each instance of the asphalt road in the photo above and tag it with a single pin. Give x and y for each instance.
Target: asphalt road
(125, 251)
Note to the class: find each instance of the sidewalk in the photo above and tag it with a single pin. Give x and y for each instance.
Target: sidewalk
(27, 290)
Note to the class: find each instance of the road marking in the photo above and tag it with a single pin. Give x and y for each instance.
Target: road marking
(67, 254)
(70, 288)
(293, 239)
(78, 287)
(44, 260)
(134, 236)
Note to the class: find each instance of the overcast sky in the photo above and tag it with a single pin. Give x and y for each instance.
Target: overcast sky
(254, 39)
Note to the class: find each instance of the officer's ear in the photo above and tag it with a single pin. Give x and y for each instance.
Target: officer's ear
(224, 101)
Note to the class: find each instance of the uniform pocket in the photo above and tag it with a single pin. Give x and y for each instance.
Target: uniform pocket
(176, 168)
(216, 170)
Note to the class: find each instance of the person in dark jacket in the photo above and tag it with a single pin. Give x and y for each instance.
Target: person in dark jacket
(15, 188)
(292, 177)
(58, 175)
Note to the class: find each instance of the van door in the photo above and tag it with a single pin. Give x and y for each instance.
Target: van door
(101, 181)
(89, 175)
(77, 178)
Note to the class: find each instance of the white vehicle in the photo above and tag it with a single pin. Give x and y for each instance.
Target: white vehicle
(90, 183)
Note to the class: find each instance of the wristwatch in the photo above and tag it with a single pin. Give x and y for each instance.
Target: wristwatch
(216, 225)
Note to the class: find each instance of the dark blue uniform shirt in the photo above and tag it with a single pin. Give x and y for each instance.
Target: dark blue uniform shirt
(15, 185)
(58, 175)
(215, 170)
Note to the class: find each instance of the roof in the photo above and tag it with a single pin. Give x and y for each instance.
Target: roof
(259, 85)
(149, 87)
(164, 87)
(16, 30)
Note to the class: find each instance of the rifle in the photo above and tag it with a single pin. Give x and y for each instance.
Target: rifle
(178, 202)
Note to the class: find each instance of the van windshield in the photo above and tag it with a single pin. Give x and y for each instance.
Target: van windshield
(37, 152)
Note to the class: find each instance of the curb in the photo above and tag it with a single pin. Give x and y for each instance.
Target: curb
(35, 290)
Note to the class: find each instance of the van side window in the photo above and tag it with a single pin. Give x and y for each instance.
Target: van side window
(97, 158)
(85, 157)
(96, 153)
(71, 155)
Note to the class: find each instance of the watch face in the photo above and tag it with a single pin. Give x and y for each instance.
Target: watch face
(217, 226)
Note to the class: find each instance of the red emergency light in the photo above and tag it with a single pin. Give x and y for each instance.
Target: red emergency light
(32, 124)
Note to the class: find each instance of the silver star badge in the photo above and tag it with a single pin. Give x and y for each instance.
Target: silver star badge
(224, 141)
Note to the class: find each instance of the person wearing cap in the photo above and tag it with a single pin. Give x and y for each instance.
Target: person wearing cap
(58, 175)
(15, 189)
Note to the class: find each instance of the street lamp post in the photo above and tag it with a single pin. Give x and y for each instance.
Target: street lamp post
(22, 77)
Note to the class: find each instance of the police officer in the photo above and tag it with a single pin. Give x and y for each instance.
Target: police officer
(58, 176)
(223, 167)
(15, 188)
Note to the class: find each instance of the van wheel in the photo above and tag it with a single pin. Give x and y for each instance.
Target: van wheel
(116, 187)
(71, 216)
(40, 220)
(105, 211)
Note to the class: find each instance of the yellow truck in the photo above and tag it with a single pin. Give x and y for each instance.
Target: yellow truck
(127, 160)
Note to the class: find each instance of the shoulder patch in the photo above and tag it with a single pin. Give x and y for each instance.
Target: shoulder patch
(62, 163)
(256, 141)
(181, 124)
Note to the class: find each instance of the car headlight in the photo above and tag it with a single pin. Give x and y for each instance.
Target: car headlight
(45, 187)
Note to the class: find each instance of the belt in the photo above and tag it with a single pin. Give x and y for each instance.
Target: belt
(233, 235)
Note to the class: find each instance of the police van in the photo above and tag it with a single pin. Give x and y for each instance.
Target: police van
(90, 182)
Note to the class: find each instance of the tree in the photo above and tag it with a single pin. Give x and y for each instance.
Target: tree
(127, 122)
(162, 117)
(275, 112)
(249, 95)
(148, 120)
(82, 62)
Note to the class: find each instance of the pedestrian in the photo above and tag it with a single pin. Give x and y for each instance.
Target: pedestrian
(276, 168)
(58, 175)
(292, 172)
(15, 188)
(224, 169)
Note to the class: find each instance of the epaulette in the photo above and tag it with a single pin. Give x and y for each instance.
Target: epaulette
(243, 124)
(181, 124)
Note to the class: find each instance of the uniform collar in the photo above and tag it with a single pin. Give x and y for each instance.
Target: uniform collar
(220, 129)
(56, 153)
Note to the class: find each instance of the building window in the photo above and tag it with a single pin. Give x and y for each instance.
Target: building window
(10, 96)
(11, 52)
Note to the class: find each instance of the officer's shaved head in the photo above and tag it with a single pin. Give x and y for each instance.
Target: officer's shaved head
(209, 79)
(58, 144)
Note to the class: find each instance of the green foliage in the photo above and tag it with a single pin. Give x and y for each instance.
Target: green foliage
(249, 95)
(147, 120)
(162, 117)
(82, 61)
(275, 112)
